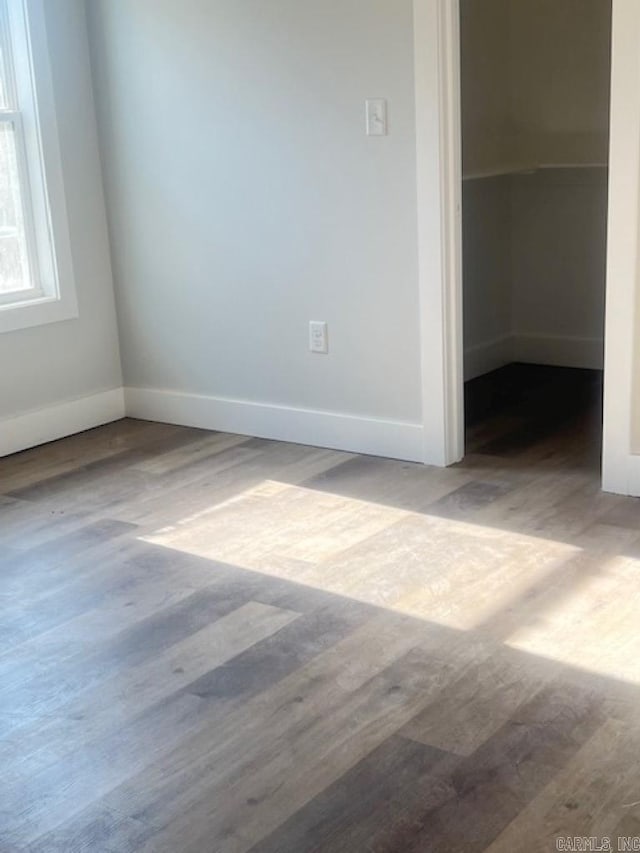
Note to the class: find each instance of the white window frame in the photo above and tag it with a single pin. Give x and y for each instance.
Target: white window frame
(52, 298)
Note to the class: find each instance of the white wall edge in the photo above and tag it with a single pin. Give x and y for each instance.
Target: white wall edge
(50, 423)
(392, 439)
(621, 468)
(624, 478)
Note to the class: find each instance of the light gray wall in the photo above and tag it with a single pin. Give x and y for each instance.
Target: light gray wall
(534, 268)
(245, 199)
(62, 361)
(559, 253)
(487, 263)
(535, 82)
(485, 57)
(560, 78)
(534, 244)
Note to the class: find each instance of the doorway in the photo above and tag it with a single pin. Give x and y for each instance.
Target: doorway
(535, 91)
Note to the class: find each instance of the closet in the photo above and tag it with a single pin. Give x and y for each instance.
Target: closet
(535, 77)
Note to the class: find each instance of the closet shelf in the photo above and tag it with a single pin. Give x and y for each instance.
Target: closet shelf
(526, 169)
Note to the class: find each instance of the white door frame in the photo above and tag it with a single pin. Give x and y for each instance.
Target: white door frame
(439, 178)
(621, 466)
(438, 129)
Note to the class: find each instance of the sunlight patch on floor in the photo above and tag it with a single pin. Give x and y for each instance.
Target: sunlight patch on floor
(543, 597)
(595, 627)
(450, 572)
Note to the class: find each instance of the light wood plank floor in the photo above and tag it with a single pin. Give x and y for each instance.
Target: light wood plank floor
(213, 644)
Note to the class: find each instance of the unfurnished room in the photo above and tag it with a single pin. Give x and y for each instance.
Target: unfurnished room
(319, 426)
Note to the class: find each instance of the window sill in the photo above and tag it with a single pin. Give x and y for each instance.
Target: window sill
(37, 312)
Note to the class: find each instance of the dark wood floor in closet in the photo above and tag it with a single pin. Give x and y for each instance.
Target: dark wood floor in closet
(519, 406)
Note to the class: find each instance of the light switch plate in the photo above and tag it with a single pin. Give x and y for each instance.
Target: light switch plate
(376, 110)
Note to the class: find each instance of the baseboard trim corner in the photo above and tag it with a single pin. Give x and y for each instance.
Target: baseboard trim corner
(560, 351)
(29, 429)
(487, 356)
(553, 350)
(354, 434)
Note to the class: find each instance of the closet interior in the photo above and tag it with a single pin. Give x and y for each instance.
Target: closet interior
(535, 77)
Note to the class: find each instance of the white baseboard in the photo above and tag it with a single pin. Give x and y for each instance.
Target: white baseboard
(52, 422)
(488, 356)
(621, 473)
(533, 349)
(396, 440)
(391, 439)
(559, 351)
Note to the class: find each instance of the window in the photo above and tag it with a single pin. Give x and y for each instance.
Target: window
(36, 276)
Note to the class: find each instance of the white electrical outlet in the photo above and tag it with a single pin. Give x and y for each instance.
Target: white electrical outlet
(318, 337)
